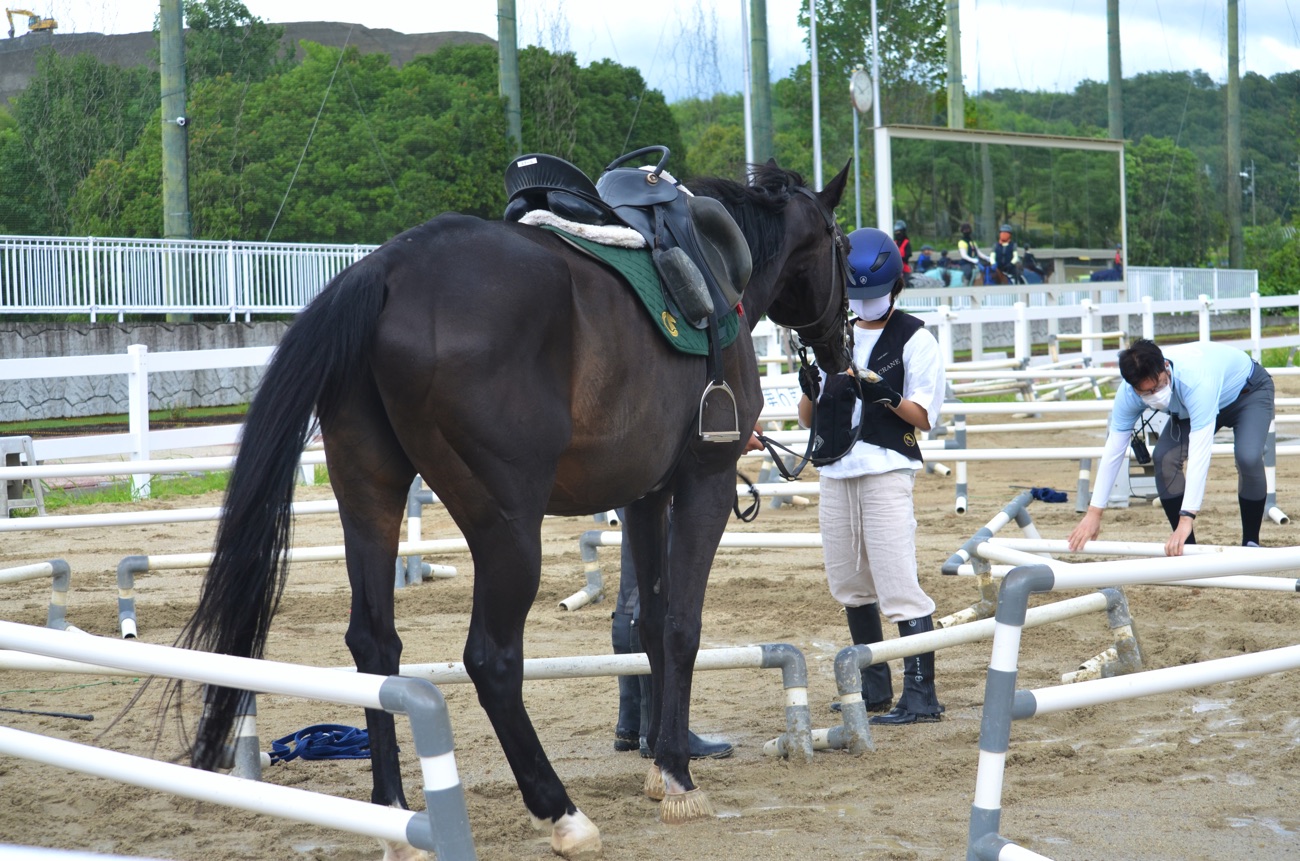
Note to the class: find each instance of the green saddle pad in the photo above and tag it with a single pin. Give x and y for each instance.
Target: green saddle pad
(638, 269)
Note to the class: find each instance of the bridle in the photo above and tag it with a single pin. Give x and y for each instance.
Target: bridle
(833, 322)
(830, 329)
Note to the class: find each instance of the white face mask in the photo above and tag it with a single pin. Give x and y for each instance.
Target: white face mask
(1159, 399)
(871, 309)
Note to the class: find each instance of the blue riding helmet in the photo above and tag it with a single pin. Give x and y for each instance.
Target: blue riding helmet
(874, 263)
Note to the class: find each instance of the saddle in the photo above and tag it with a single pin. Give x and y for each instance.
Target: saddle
(700, 254)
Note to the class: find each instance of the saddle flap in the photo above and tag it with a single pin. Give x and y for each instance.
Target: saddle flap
(722, 245)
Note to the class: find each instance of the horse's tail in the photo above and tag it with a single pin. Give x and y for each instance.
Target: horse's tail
(320, 354)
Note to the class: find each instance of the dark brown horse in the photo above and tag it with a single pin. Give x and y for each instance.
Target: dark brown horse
(519, 378)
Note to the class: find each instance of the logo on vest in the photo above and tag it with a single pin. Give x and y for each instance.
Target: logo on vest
(670, 323)
(909, 440)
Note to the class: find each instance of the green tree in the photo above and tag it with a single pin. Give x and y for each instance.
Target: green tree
(224, 38)
(75, 112)
(1173, 219)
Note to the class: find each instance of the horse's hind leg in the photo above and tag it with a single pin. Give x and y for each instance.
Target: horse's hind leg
(370, 476)
(507, 567)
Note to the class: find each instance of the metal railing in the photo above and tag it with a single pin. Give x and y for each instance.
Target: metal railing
(114, 277)
(99, 276)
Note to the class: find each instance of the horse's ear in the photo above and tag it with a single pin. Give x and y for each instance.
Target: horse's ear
(834, 190)
(771, 162)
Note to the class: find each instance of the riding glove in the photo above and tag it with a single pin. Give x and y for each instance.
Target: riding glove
(880, 392)
(810, 380)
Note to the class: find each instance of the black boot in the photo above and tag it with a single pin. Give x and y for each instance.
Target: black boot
(1172, 506)
(918, 704)
(1252, 516)
(627, 731)
(877, 687)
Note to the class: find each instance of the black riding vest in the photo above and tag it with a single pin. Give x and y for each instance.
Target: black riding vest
(1004, 254)
(880, 425)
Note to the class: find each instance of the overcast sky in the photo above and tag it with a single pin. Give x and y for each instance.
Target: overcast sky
(1023, 44)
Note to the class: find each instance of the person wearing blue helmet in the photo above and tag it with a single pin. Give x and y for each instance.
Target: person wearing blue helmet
(867, 518)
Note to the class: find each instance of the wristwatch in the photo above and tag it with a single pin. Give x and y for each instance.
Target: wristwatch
(1191, 514)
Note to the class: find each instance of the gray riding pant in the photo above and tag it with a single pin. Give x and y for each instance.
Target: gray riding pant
(1249, 416)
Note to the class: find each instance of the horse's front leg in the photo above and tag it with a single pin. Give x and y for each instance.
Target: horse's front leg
(671, 610)
(507, 569)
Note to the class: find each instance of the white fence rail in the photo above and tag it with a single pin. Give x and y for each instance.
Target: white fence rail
(100, 276)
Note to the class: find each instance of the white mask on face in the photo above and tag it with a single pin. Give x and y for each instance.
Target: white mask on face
(1159, 399)
(870, 309)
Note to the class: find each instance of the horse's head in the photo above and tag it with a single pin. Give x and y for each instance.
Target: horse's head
(811, 296)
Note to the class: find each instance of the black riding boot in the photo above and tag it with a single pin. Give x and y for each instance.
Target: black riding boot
(1172, 506)
(877, 687)
(1252, 516)
(918, 704)
(627, 731)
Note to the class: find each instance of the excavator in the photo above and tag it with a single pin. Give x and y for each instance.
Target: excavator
(35, 22)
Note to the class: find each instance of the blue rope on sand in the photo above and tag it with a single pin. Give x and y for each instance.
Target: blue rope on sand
(322, 741)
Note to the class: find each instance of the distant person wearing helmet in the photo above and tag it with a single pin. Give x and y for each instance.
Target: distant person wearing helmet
(904, 245)
(867, 519)
(1005, 256)
(969, 256)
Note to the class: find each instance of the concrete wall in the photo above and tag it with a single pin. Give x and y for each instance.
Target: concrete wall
(23, 400)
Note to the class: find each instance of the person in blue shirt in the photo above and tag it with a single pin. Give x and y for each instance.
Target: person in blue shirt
(1203, 386)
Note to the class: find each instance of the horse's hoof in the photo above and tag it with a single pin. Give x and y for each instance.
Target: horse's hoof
(575, 837)
(685, 807)
(654, 784)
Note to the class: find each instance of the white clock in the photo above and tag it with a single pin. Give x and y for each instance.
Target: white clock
(860, 90)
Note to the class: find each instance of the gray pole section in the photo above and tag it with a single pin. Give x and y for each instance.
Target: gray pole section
(761, 83)
(508, 51)
(1236, 247)
(1114, 98)
(816, 96)
(956, 90)
(175, 138)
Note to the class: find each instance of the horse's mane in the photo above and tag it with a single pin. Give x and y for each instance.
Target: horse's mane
(758, 207)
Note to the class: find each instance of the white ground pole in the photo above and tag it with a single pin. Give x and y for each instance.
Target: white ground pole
(133, 565)
(593, 539)
(1018, 510)
(60, 575)
(1003, 703)
(442, 828)
(855, 733)
(787, 658)
(409, 570)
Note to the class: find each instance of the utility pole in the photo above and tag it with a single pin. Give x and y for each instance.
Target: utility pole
(761, 84)
(1254, 222)
(175, 140)
(1236, 244)
(1114, 94)
(956, 91)
(508, 76)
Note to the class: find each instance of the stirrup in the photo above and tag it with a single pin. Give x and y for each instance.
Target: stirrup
(724, 434)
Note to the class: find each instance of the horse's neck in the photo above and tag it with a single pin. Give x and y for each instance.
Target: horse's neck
(762, 290)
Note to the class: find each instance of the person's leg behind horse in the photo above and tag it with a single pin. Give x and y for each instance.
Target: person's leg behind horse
(627, 729)
(1250, 418)
(849, 578)
(1168, 458)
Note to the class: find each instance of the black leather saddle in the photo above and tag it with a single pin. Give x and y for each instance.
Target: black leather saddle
(713, 257)
(698, 249)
